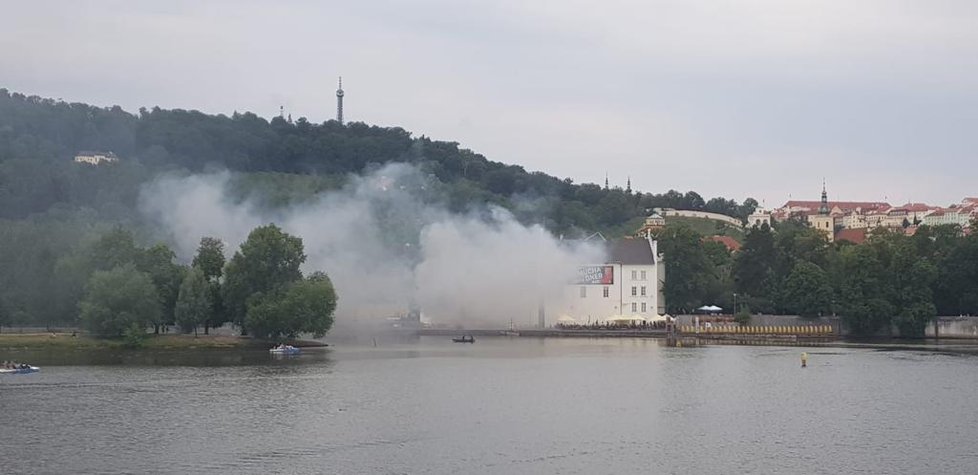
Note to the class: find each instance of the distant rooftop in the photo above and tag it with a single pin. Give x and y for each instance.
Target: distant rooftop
(855, 236)
(843, 205)
(730, 243)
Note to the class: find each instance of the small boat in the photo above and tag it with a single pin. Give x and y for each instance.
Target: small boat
(26, 369)
(464, 339)
(284, 350)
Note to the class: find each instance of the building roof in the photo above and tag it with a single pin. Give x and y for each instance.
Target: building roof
(731, 244)
(914, 207)
(855, 236)
(631, 252)
(843, 205)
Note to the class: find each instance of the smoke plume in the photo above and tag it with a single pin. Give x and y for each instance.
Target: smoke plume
(386, 246)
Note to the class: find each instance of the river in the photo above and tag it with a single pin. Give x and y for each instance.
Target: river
(499, 406)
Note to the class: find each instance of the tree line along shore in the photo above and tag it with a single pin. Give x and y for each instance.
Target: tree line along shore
(122, 290)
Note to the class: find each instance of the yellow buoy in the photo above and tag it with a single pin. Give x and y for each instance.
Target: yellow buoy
(804, 360)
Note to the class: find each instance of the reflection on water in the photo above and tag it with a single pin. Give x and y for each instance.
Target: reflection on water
(501, 406)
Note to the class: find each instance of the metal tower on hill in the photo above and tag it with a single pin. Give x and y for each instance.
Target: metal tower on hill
(339, 102)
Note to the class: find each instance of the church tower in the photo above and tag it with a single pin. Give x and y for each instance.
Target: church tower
(823, 209)
(824, 221)
(339, 102)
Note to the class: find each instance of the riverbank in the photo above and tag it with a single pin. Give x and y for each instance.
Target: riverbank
(65, 341)
(959, 346)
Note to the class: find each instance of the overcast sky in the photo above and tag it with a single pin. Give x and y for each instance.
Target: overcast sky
(741, 98)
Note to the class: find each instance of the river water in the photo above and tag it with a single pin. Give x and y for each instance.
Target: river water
(499, 406)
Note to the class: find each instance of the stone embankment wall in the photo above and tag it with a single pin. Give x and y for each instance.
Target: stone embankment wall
(767, 321)
(946, 327)
(953, 327)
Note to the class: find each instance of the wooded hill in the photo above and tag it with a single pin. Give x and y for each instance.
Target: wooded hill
(39, 137)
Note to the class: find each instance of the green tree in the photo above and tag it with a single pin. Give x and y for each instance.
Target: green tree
(807, 291)
(157, 262)
(688, 269)
(113, 249)
(754, 269)
(304, 306)
(118, 299)
(746, 209)
(956, 287)
(912, 280)
(73, 270)
(861, 290)
(267, 261)
(193, 306)
(210, 261)
(210, 258)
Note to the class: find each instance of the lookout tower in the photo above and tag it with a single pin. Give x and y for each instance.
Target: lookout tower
(339, 102)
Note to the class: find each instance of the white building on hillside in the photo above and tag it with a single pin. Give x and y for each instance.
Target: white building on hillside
(96, 158)
(630, 283)
(759, 217)
(955, 215)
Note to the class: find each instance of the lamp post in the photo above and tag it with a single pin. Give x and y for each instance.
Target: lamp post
(735, 303)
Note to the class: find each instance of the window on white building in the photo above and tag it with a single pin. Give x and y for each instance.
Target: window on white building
(634, 307)
(643, 291)
(634, 291)
(643, 307)
(644, 277)
(583, 292)
(634, 275)
(606, 292)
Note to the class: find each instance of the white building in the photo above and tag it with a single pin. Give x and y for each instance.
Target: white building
(759, 218)
(630, 283)
(854, 220)
(96, 158)
(958, 215)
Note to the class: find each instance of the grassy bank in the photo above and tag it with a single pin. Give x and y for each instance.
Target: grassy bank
(152, 342)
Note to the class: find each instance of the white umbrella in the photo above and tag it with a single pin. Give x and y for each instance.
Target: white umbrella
(709, 308)
(566, 320)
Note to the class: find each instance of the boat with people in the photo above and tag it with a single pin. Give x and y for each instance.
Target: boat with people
(464, 339)
(284, 350)
(17, 368)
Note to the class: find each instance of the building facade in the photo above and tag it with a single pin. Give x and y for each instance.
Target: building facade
(630, 284)
(96, 158)
(759, 218)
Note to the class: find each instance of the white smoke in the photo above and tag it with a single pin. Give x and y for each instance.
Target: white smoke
(385, 248)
